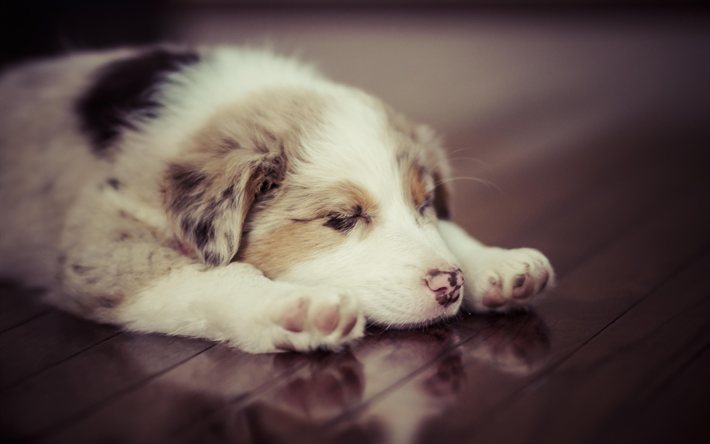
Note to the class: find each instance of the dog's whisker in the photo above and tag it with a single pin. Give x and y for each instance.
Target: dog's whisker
(457, 151)
(474, 179)
(472, 159)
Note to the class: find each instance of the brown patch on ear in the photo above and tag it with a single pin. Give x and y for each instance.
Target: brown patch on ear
(418, 145)
(437, 164)
(242, 152)
(417, 185)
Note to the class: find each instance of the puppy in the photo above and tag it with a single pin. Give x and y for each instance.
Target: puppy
(234, 195)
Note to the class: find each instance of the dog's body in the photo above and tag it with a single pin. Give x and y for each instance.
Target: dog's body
(234, 195)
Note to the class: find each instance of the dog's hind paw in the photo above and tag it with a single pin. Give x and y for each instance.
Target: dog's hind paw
(317, 319)
(506, 280)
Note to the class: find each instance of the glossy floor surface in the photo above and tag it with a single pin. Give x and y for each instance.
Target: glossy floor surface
(588, 138)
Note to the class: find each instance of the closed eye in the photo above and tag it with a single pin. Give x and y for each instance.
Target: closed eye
(345, 222)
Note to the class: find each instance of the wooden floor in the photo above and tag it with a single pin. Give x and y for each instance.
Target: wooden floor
(591, 139)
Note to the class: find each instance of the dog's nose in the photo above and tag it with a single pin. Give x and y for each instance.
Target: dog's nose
(446, 285)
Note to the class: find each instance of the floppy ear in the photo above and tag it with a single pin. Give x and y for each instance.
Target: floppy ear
(240, 152)
(209, 193)
(438, 165)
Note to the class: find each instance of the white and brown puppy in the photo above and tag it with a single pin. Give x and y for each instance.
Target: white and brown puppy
(234, 195)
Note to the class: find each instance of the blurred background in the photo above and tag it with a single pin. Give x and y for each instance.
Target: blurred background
(448, 63)
(518, 78)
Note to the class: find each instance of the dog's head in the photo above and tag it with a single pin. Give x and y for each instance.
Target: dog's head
(326, 188)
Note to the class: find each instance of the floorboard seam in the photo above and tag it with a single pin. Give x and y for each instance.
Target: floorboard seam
(631, 413)
(37, 315)
(518, 392)
(111, 399)
(27, 378)
(623, 231)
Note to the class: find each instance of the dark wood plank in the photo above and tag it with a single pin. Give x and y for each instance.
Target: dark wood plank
(18, 305)
(615, 205)
(44, 341)
(618, 372)
(648, 166)
(76, 386)
(206, 384)
(687, 398)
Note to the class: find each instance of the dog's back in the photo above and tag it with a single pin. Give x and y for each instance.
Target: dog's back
(43, 160)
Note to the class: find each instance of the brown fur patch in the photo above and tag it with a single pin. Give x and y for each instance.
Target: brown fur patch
(290, 244)
(297, 218)
(110, 302)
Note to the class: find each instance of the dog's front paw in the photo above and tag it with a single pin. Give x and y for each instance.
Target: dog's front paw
(506, 280)
(317, 319)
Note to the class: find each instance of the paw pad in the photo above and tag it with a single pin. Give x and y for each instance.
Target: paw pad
(295, 319)
(505, 280)
(321, 319)
(327, 319)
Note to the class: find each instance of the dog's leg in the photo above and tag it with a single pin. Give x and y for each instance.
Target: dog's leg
(120, 270)
(236, 303)
(497, 280)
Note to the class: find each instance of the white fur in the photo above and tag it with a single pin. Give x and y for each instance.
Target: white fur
(199, 303)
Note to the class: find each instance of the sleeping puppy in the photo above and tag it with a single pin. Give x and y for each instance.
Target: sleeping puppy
(234, 195)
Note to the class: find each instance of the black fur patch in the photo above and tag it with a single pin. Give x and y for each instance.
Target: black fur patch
(212, 259)
(203, 232)
(441, 204)
(125, 87)
(441, 199)
(188, 185)
(114, 183)
(228, 193)
(81, 269)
